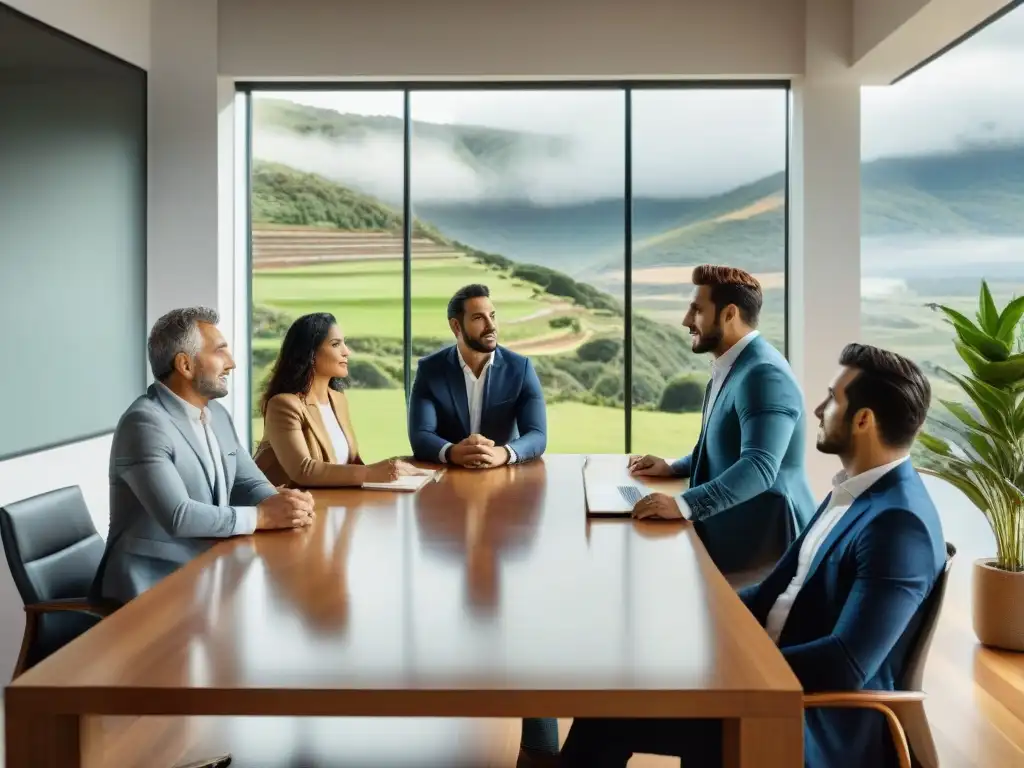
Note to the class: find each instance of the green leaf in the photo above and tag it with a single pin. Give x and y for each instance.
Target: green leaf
(988, 314)
(987, 399)
(988, 346)
(1004, 374)
(934, 444)
(958, 410)
(1009, 320)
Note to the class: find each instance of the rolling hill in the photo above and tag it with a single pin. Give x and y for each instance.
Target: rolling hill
(977, 191)
(318, 246)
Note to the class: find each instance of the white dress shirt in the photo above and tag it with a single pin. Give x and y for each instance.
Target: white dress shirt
(844, 492)
(335, 432)
(475, 395)
(719, 370)
(210, 456)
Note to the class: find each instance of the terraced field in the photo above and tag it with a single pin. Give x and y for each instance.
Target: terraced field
(357, 276)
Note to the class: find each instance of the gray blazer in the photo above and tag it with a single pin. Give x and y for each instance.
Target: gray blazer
(163, 510)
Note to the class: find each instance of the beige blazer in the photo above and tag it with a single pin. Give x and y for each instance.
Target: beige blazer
(296, 449)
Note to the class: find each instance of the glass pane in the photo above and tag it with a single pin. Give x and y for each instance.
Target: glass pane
(327, 237)
(708, 188)
(523, 191)
(942, 170)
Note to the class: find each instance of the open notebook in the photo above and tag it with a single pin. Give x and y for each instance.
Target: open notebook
(405, 483)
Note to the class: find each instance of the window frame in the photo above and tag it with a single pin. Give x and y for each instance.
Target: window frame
(246, 89)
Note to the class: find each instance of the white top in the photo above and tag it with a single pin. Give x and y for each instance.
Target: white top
(719, 370)
(475, 395)
(844, 492)
(206, 439)
(335, 432)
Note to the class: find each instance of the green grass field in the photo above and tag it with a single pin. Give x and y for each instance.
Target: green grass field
(378, 417)
(366, 297)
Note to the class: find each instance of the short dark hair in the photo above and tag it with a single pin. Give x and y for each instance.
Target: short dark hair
(893, 387)
(457, 304)
(730, 285)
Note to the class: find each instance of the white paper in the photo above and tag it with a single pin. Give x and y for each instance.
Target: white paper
(404, 483)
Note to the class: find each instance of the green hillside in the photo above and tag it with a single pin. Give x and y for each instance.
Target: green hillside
(976, 191)
(572, 331)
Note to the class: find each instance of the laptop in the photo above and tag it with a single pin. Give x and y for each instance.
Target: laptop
(611, 496)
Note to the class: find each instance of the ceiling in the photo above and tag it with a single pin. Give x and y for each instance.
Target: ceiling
(28, 47)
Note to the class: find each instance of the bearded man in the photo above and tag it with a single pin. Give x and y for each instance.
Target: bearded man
(476, 404)
(179, 477)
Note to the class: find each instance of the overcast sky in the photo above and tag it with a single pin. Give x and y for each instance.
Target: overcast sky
(685, 141)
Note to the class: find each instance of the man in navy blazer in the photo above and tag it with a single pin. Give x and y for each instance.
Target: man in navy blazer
(748, 497)
(476, 404)
(845, 602)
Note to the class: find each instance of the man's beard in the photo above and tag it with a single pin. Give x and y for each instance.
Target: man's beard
(477, 345)
(209, 386)
(834, 444)
(707, 341)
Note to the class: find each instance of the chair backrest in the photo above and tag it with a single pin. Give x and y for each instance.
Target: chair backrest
(913, 671)
(51, 544)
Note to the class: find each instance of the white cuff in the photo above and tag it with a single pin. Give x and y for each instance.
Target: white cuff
(512, 458)
(245, 521)
(684, 508)
(443, 455)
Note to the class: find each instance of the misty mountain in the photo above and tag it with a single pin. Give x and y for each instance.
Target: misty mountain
(483, 187)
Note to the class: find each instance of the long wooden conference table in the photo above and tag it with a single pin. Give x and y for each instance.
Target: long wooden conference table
(486, 594)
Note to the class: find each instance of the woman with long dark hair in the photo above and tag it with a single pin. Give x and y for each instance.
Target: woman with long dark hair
(308, 440)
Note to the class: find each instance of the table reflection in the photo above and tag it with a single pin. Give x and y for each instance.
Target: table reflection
(314, 580)
(481, 518)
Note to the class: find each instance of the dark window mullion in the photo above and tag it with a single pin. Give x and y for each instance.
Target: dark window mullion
(407, 226)
(627, 346)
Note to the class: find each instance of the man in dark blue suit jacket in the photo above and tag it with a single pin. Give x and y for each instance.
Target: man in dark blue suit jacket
(476, 404)
(845, 602)
(748, 497)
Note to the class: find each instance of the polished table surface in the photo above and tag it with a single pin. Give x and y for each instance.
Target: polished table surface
(485, 594)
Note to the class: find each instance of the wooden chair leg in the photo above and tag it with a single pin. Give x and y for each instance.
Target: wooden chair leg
(26, 643)
(919, 734)
(899, 737)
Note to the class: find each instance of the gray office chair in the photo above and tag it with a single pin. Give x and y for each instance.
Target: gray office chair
(904, 707)
(53, 551)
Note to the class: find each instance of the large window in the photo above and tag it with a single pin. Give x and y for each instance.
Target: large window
(583, 208)
(943, 197)
(709, 186)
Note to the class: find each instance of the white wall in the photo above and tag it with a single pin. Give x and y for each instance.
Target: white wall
(120, 27)
(491, 38)
(892, 36)
(824, 256)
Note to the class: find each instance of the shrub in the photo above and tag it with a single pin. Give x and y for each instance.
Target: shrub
(684, 394)
(600, 350)
(647, 384)
(365, 374)
(609, 386)
(269, 323)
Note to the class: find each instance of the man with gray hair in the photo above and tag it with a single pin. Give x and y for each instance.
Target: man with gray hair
(179, 478)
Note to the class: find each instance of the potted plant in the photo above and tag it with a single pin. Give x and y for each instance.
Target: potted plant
(982, 454)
